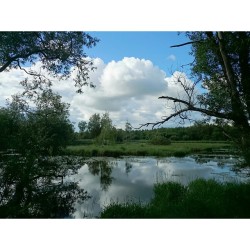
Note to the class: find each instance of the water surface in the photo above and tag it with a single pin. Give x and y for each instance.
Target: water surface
(132, 178)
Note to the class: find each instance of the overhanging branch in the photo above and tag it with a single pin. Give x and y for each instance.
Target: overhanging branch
(183, 44)
(16, 57)
(164, 120)
(189, 107)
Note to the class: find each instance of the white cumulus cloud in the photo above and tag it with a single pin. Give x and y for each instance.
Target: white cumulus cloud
(128, 89)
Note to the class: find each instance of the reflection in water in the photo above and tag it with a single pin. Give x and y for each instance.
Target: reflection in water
(38, 187)
(54, 187)
(128, 166)
(132, 178)
(104, 170)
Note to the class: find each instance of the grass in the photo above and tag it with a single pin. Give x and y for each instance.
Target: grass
(178, 149)
(200, 199)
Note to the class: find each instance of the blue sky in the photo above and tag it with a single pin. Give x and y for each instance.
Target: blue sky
(154, 46)
(132, 70)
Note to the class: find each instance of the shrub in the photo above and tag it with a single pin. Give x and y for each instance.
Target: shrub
(160, 140)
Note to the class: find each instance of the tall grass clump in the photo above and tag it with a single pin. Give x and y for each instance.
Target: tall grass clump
(204, 198)
(166, 201)
(124, 210)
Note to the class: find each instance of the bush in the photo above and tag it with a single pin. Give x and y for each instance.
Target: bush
(160, 140)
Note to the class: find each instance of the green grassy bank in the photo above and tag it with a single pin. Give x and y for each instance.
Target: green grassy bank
(200, 199)
(146, 149)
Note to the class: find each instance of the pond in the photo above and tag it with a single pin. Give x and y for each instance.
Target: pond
(132, 178)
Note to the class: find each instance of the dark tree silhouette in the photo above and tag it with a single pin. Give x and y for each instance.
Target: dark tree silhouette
(222, 67)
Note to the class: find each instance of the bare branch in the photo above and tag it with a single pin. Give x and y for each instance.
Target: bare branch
(164, 120)
(182, 112)
(191, 107)
(183, 44)
(188, 64)
(32, 73)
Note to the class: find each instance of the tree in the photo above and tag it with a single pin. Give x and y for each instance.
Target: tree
(94, 125)
(82, 125)
(32, 181)
(36, 125)
(43, 129)
(59, 53)
(128, 129)
(9, 127)
(108, 131)
(222, 67)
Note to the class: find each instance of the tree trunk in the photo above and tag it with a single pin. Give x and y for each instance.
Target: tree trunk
(240, 118)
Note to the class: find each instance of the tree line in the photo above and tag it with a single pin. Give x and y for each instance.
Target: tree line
(101, 130)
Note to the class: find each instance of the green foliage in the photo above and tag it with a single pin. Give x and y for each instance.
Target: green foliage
(108, 131)
(160, 140)
(58, 53)
(43, 130)
(222, 63)
(179, 149)
(127, 210)
(205, 199)
(200, 199)
(35, 126)
(9, 127)
(94, 125)
(82, 125)
(102, 130)
(197, 132)
(35, 186)
(32, 181)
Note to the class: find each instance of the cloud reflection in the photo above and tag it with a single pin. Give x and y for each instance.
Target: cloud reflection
(137, 183)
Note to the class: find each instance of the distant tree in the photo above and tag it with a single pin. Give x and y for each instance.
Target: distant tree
(82, 125)
(108, 131)
(119, 135)
(128, 129)
(59, 53)
(106, 120)
(94, 125)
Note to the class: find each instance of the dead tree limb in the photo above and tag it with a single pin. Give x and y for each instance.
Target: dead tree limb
(183, 44)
